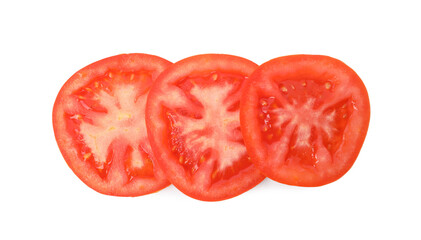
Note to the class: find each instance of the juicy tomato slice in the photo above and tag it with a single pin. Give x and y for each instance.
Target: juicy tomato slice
(304, 119)
(99, 125)
(194, 126)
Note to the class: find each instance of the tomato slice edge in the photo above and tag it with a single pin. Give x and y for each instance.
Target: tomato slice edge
(194, 66)
(123, 62)
(265, 73)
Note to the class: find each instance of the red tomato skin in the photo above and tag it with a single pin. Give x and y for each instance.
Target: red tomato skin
(239, 184)
(123, 62)
(353, 138)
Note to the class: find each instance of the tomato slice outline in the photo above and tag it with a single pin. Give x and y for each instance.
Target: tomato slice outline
(98, 120)
(193, 126)
(304, 119)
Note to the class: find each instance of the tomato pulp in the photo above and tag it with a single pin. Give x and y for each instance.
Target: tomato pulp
(194, 128)
(99, 125)
(304, 119)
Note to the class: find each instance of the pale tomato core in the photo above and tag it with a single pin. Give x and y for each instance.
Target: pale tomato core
(110, 126)
(299, 128)
(211, 133)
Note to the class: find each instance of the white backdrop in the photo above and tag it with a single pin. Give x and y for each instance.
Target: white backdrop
(43, 43)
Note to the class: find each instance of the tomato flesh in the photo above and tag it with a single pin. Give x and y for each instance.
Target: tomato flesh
(195, 127)
(104, 124)
(306, 108)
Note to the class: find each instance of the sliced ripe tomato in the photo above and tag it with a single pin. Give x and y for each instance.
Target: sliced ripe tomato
(304, 119)
(99, 125)
(194, 126)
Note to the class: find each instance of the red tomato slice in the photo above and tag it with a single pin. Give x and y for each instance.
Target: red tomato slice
(194, 126)
(99, 124)
(304, 119)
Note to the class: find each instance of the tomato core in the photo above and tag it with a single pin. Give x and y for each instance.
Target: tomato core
(213, 133)
(108, 125)
(304, 121)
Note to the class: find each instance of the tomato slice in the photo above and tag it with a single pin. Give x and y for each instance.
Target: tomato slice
(304, 119)
(194, 126)
(99, 125)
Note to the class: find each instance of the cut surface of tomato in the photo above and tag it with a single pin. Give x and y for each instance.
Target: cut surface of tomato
(304, 119)
(99, 125)
(194, 126)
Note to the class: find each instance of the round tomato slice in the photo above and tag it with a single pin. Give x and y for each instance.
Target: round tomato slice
(194, 126)
(304, 119)
(99, 125)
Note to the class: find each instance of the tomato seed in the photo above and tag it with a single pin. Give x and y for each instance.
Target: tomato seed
(328, 85)
(87, 155)
(214, 77)
(284, 89)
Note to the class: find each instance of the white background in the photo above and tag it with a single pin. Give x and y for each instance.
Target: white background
(43, 43)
